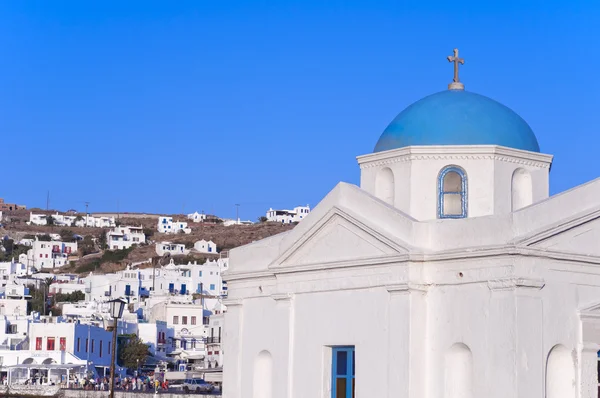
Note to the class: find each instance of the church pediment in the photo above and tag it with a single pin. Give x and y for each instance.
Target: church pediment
(338, 237)
(578, 236)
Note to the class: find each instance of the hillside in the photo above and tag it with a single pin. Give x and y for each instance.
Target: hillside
(226, 238)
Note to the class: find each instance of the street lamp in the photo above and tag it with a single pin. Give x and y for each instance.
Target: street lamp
(116, 311)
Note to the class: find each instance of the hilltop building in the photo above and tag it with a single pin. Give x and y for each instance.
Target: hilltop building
(166, 225)
(288, 216)
(124, 237)
(449, 272)
(197, 217)
(10, 206)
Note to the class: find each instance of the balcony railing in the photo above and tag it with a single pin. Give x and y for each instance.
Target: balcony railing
(213, 340)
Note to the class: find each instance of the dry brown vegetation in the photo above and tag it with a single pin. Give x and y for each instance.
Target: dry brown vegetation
(225, 238)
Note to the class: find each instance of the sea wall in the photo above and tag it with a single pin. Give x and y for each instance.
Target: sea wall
(128, 394)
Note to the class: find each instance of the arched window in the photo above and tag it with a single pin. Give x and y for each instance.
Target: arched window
(452, 191)
(384, 185)
(522, 189)
(560, 373)
(263, 375)
(458, 381)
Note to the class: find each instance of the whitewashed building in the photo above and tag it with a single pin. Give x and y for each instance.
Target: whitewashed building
(173, 249)
(9, 268)
(53, 254)
(88, 342)
(203, 246)
(288, 216)
(166, 225)
(120, 238)
(449, 272)
(70, 220)
(196, 217)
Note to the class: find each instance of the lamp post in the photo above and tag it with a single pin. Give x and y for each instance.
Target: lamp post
(116, 311)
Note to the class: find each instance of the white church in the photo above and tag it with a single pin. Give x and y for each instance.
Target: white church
(449, 273)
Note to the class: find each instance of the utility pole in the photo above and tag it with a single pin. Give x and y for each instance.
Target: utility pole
(86, 213)
(48, 200)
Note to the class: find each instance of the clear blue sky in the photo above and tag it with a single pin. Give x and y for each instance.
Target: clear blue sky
(198, 105)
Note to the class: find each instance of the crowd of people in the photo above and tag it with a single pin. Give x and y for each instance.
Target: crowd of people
(135, 383)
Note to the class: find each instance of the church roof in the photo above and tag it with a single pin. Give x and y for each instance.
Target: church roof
(457, 117)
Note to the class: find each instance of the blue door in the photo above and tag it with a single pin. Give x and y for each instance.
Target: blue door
(127, 290)
(171, 287)
(342, 372)
(183, 288)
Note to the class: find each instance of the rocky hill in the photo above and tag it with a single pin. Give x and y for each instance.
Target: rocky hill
(92, 258)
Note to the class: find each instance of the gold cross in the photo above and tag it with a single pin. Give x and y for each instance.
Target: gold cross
(456, 84)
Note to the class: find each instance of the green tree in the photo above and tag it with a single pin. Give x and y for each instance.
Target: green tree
(72, 297)
(148, 232)
(262, 219)
(102, 241)
(87, 246)
(44, 238)
(37, 302)
(132, 352)
(66, 235)
(49, 220)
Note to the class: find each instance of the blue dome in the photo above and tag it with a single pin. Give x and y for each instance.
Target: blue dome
(457, 117)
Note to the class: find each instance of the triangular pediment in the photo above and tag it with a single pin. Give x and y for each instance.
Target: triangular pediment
(339, 237)
(577, 236)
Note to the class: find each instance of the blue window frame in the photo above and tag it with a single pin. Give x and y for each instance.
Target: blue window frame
(342, 372)
(212, 286)
(452, 193)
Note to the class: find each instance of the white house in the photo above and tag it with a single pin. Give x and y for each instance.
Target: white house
(204, 278)
(88, 342)
(173, 249)
(96, 222)
(70, 220)
(12, 268)
(204, 246)
(288, 216)
(214, 350)
(196, 217)
(120, 238)
(166, 225)
(185, 318)
(449, 272)
(54, 254)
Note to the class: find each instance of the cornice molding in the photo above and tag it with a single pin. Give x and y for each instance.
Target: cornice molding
(515, 283)
(462, 254)
(282, 296)
(454, 157)
(232, 302)
(398, 289)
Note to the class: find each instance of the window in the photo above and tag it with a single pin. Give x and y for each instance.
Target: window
(212, 286)
(452, 190)
(38, 343)
(63, 343)
(78, 344)
(100, 350)
(50, 344)
(184, 320)
(108, 352)
(175, 320)
(199, 273)
(92, 346)
(342, 372)
(87, 344)
(193, 320)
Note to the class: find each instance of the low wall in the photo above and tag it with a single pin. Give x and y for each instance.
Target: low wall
(129, 394)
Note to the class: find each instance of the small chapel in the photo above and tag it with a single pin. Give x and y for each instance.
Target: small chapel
(448, 273)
